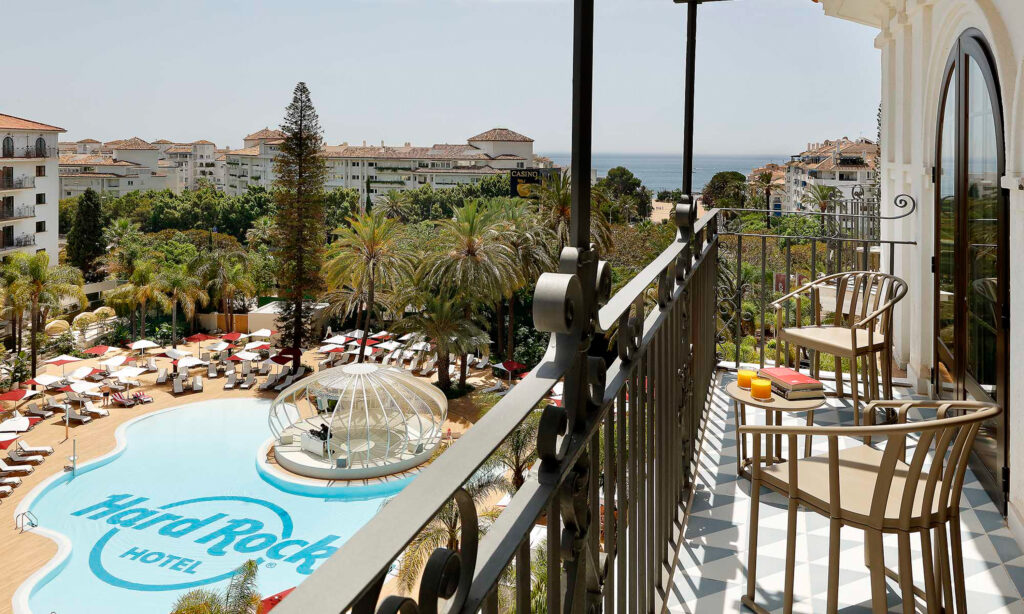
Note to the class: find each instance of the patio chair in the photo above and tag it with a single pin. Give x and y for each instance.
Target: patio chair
(73, 416)
(116, 386)
(266, 367)
(878, 490)
(482, 363)
(35, 410)
(18, 456)
(73, 397)
(54, 404)
(120, 399)
(285, 383)
(161, 376)
(151, 365)
(5, 491)
(249, 381)
(94, 411)
(197, 383)
(205, 356)
(5, 468)
(230, 384)
(415, 362)
(142, 397)
(861, 329)
(177, 387)
(324, 364)
(10, 481)
(246, 368)
(211, 371)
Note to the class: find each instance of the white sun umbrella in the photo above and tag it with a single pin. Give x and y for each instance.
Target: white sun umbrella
(327, 348)
(142, 345)
(190, 361)
(128, 374)
(79, 373)
(369, 350)
(254, 344)
(84, 387)
(46, 379)
(18, 424)
(419, 346)
(388, 345)
(358, 334)
(177, 354)
(407, 337)
(380, 334)
(337, 340)
(263, 332)
(114, 361)
(220, 346)
(243, 355)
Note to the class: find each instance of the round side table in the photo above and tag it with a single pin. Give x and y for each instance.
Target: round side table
(774, 409)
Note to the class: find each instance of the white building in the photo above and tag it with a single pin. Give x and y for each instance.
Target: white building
(953, 138)
(380, 169)
(117, 167)
(194, 162)
(841, 164)
(28, 186)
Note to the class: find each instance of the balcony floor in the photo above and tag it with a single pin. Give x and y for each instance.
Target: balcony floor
(711, 574)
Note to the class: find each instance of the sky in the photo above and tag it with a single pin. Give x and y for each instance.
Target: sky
(772, 75)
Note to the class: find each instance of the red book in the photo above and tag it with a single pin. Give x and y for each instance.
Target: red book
(788, 379)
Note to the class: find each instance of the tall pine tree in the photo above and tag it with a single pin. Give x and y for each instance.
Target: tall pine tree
(299, 219)
(85, 239)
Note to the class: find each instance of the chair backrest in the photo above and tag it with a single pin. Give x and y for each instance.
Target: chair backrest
(941, 448)
(859, 294)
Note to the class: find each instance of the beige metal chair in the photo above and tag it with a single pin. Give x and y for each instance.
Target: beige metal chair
(860, 330)
(876, 489)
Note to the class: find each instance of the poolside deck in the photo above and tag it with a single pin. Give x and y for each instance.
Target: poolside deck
(711, 574)
(24, 553)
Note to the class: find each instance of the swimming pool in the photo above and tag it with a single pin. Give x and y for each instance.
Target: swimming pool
(180, 506)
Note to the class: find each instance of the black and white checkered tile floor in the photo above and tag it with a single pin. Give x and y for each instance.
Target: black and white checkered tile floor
(711, 575)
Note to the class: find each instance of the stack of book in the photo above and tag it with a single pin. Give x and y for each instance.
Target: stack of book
(792, 385)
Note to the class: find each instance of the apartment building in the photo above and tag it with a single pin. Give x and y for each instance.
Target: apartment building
(778, 173)
(28, 186)
(116, 167)
(842, 163)
(376, 170)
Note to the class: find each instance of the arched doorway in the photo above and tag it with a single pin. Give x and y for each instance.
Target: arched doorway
(971, 239)
(40, 147)
(8, 147)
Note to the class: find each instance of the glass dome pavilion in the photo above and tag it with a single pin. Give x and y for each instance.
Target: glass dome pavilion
(356, 421)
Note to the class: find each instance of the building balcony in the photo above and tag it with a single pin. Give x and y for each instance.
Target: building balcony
(28, 153)
(17, 213)
(18, 183)
(22, 240)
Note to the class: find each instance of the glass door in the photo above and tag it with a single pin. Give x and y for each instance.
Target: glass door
(971, 238)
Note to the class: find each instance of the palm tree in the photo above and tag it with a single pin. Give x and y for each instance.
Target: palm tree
(531, 243)
(444, 529)
(763, 185)
(368, 252)
(393, 204)
(44, 286)
(15, 301)
(182, 287)
(229, 281)
(123, 247)
(145, 281)
(241, 596)
(442, 320)
(124, 299)
(555, 200)
(519, 451)
(820, 196)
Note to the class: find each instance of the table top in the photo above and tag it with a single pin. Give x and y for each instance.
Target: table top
(776, 403)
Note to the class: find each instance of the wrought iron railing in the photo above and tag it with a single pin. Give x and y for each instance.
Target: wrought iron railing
(616, 459)
(18, 183)
(756, 267)
(28, 152)
(12, 213)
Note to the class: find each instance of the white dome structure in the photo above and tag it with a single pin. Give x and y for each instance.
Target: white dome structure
(357, 421)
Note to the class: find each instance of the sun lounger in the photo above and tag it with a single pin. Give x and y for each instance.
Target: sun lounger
(177, 386)
(301, 372)
(142, 397)
(120, 399)
(6, 491)
(19, 457)
(266, 366)
(54, 404)
(495, 388)
(197, 383)
(5, 468)
(7, 481)
(230, 384)
(27, 449)
(211, 371)
(92, 410)
(246, 368)
(74, 416)
(116, 386)
(324, 364)
(161, 376)
(270, 382)
(284, 384)
(205, 356)
(428, 368)
(249, 381)
(151, 365)
(35, 410)
(481, 363)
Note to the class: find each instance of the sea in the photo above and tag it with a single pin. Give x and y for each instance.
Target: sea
(665, 171)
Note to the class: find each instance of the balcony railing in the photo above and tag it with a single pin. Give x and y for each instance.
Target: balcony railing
(19, 183)
(22, 240)
(14, 213)
(759, 266)
(28, 152)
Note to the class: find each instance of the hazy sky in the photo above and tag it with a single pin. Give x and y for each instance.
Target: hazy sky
(772, 74)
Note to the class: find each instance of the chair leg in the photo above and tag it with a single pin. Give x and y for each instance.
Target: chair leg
(817, 365)
(887, 371)
(906, 572)
(755, 498)
(876, 560)
(787, 604)
(855, 393)
(872, 360)
(832, 602)
(942, 562)
(932, 597)
(840, 392)
(958, 570)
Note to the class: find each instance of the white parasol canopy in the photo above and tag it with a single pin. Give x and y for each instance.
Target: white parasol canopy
(130, 372)
(358, 333)
(337, 340)
(255, 344)
(407, 337)
(388, 345)
(45, 379)
(419, 346)
(16, 425)
(114, 361)
(220, 346)
(79, 373)
(83, 387)
(177, 354)
(63, 359)
(142, 344)
(190, 361)
(323, 349)
(380, 334)
(263, 332)
(247, 355)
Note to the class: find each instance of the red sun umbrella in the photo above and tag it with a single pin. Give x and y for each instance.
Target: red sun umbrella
(17, 394)
(512, 366)
(337, 350)
(235, 336)
(98, 350)
(199, 338)
(281, 359)
(6, 439)
(271, 602)
(370, 342)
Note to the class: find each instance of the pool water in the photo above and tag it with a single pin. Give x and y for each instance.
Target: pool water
(182, 506)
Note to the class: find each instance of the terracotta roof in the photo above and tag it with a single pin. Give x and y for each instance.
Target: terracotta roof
(266, 133)
(163, 142)
(247, 151)
(166, 164)
(503, 135)
(94, 175)
(112, 143)
(10, 122)
(221, 157)
(88, 141)
(509, 157)
(92, 160)
(202, 142)
(134, 143)
(179, 149)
